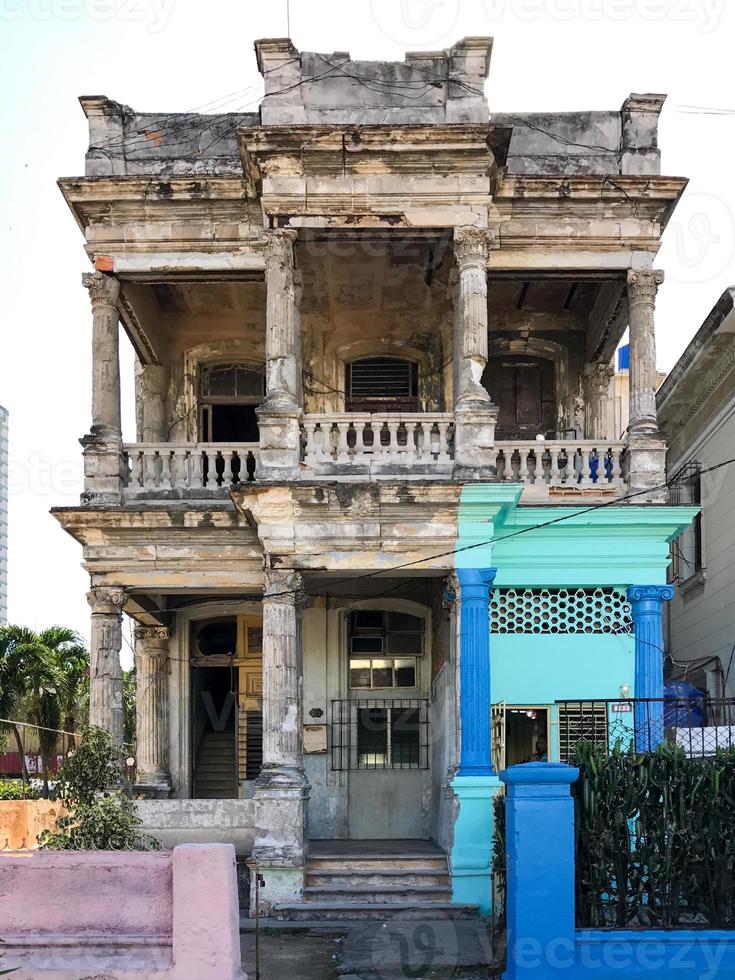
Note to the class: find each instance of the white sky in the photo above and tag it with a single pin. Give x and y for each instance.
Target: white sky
(174, 55)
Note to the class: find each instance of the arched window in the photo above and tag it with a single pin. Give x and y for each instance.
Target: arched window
(382, 384)
(228, 396)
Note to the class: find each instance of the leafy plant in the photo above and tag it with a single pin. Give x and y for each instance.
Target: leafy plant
(655, 837)
(13, 789)
(100, 816)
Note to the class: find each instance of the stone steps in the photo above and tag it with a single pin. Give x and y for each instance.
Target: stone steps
(215, 776)
(375, 880)
(346, 911)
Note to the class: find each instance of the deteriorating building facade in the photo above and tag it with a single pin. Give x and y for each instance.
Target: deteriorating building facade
(358, 528)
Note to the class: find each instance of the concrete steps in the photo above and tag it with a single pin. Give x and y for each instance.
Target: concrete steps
(215, 775)
(378, 880)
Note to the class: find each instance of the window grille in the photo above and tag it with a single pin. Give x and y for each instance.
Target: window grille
(381, 377)
(380, 733)
(536, 611)
(686, 551)
(581, 721)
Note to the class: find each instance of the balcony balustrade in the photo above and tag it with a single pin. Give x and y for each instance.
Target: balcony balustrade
(364, 438)
(156, 467)
(367, 444)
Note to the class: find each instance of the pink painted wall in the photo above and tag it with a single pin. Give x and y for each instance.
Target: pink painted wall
(70, 910)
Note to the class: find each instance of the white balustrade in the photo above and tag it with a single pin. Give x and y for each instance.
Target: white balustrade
(586, 463)
(363, 438)
(153, 466)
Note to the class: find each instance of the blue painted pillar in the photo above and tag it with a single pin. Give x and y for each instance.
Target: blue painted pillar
(476, 783)
(539, 817)
(474, 670)
(647, 606)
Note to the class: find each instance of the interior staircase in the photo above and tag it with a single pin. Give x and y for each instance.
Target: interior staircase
(353, 880)
(215, 775)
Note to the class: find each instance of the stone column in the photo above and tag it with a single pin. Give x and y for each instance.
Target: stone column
(281, 789)
(474, 413)
(647, 449)
(476, 782)
(280, 413)
(102, 446)
(153, 778)
(647, 606)
(152, 392)
(597, 378)
(105, 673)
(539, 817)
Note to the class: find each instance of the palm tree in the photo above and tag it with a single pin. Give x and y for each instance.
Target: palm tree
(12, 688)
(53, 666)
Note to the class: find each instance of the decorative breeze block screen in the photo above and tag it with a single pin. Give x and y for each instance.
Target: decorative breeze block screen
(560, 611)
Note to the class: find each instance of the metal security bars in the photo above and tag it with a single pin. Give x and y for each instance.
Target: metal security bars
(379, 733)
(699, 725)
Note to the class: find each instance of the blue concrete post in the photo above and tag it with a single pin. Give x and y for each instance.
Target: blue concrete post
(476, 782)
(539, 817)
(474, 670)
(647, 606)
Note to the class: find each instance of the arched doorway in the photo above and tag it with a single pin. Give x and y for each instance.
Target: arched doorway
(523, 389)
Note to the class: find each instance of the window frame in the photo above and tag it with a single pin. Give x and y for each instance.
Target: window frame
(686, 488)
(382, 633)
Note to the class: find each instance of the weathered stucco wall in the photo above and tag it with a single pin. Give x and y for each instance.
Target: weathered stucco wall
(124, 914)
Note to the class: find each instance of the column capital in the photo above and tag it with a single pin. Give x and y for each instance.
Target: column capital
(480, 578)
(284, 585)
(279, 243)
(103, 290)
(598, 374)
(106, 600)
(643, 284)
(650, 593)
(154, 638)
(471, 246)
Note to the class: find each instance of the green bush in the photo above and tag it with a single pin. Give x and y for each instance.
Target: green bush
(13, 789)
(100, 816)
(655, 838)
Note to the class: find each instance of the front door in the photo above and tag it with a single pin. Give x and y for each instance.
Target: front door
(523, 389)
(381, 731)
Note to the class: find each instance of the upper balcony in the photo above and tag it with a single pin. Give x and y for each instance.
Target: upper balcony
(371, 358)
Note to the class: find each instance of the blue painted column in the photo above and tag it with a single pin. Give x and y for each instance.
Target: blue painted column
(647, 606)
(539, 817)
(474, 670)
(476, 783)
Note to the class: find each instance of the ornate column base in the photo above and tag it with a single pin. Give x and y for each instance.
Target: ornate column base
(474, 440)
(647, 469)
(280, 443)
(281, 797)
(104, 468)
(149, 786)
(471, 857)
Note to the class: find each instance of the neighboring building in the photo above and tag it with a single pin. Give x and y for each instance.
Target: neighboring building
(696, 406)
(620, 400)
(4, 423)
(374, 328)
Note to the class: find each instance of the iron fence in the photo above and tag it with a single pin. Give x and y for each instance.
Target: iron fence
(379, 733)
(700, 725)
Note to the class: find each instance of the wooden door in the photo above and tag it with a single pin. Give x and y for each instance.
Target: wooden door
(523, 389)
(250, 696)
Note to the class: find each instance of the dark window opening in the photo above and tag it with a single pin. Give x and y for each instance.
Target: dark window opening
(229, 395)
(216, 639)
(687, 553)
(382, 384)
